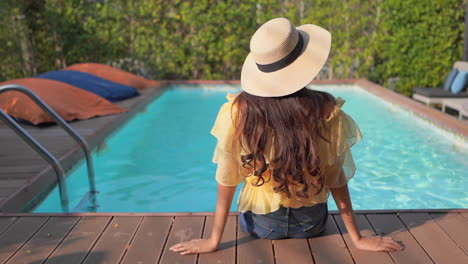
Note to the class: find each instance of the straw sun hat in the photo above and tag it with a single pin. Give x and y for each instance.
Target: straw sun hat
(283, 59)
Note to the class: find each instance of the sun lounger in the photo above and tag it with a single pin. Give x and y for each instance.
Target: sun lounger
(437, 95)
(461, 105)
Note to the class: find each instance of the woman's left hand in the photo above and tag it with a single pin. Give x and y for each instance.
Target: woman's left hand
(195, 246)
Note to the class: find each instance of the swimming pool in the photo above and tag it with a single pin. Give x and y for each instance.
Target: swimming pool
(160, 161)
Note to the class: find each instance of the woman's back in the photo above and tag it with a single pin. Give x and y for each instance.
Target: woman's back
(286, 149)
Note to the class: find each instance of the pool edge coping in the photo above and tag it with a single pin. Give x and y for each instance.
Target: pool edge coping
(375, 211)
(440, 119)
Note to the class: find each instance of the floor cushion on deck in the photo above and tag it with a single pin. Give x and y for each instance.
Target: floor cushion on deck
(113, 74)
(68, 101)
(437, 92)
(110, 90)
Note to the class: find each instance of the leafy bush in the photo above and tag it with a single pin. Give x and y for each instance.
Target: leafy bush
(417, 41)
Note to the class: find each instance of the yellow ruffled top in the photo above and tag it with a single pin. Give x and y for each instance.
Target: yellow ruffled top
(336, 163)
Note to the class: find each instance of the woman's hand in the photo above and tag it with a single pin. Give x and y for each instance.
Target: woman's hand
(371, 243)
(195, 246)
(223, 204)
(377, 243)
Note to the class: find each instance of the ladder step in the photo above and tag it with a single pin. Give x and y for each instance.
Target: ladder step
(87, 203)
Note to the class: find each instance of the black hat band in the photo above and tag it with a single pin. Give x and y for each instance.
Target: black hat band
(288, 59)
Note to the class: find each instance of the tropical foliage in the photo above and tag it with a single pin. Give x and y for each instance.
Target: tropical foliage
(416, 41)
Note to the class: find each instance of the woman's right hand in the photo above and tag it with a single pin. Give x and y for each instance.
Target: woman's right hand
(195, 246)
(377, 243)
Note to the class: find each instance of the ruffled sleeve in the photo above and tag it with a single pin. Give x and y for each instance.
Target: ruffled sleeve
(223, 128)
(342, 133)
(229, 171)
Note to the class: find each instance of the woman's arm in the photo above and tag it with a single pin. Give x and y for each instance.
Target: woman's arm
(223, 205)
(372, 243)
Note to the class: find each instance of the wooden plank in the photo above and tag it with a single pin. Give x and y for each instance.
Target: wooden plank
(184, 229)
(226, 252)
(456, 226)
(12, 183)
(329, 246)
(26, 159)
(23, 168)
(45, 132)
(362, 256)
(6, 192)
(292, 250)
(440, 247)
(253, 250)
(6, 222)
(39, 247)
(15, 143)
(465, 215)
(114, 241)
(390, 225)
(18, 233)
(149, 240)
(79, 241)
(37, 160)
(14, 176)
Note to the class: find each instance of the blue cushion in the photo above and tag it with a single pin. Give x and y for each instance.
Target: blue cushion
(459, 84)
(110, 90)
(450, 78)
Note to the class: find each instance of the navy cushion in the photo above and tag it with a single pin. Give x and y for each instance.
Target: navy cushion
(450, 78)
(459, 84)
(109, 90)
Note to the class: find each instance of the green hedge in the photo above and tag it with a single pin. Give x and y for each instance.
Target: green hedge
(417, 41)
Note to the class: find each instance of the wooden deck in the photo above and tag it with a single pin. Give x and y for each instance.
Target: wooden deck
(145, 238)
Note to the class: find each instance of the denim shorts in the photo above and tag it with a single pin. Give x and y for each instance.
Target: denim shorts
(303, 222)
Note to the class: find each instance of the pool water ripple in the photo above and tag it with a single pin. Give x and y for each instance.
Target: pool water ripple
(161, 160)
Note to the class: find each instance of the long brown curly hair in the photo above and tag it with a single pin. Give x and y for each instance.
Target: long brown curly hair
(290, 125)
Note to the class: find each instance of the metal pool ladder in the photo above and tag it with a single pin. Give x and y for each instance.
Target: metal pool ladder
(10, 122)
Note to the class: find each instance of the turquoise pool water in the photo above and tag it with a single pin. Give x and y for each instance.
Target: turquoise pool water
(161, 160)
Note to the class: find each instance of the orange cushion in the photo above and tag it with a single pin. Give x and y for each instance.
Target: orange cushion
(113, 74)
(68, 101)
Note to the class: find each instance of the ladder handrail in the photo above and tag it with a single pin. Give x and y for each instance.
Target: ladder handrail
(33, 143)
(42, 152)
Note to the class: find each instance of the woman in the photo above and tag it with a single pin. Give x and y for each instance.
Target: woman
(290, 145)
